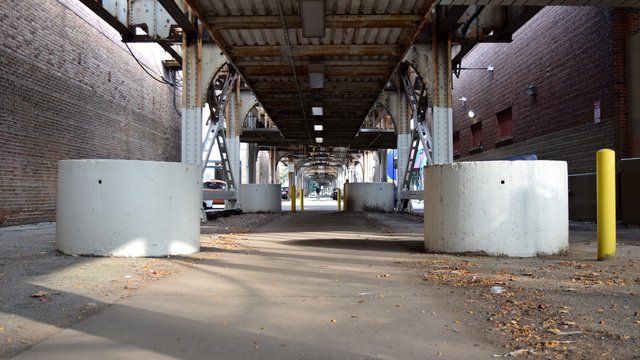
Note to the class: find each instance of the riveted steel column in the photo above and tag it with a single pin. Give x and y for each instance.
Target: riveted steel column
(442, 108)
(192, 110)
(433, 63)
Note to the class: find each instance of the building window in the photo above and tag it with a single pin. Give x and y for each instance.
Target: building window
(456, 142)
(505, 124)
(476, 136)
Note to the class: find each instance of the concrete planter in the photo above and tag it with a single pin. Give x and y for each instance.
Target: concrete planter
(512, 208)
(128, 208)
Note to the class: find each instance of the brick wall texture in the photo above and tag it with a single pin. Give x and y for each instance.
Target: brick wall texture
(68, 91)
(568, 53)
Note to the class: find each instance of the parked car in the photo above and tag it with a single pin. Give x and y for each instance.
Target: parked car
(285, 193)
(213, 185)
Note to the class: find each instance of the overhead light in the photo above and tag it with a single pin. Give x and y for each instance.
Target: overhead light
(312, 18)
(319, 140)
(317, 111)
(316, 76)
(472, 114)
(317, 127)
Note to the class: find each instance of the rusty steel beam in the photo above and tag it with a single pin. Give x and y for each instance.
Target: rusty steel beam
(174, 54)
(105, 15)
(241, 63)
(179, 16)
(357, 71)
(332, 21)
(314, 50)
(332, 86)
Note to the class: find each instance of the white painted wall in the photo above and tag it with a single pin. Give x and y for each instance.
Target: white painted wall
(255, 198)
(128, 208)
(512, 208)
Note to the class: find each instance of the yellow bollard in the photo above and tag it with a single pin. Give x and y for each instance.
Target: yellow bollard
(292, 194)
(339, 200)
(606, 188)
(301, 199)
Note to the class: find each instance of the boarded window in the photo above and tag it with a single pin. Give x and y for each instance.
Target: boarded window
(505, 123)
(476, 134)
(456, 142)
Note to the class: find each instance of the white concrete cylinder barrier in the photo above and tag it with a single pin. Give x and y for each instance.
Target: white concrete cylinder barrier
(512, 208)
(256, 198)
(128, 208)
(369, 197)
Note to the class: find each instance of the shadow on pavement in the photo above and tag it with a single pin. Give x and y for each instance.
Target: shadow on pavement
(406, 246)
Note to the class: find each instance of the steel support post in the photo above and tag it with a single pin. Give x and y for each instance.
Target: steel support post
(233, 144)
(399, 107)
(433, 63)
(192, 110)
(382, 166)
(273, 166)
(442, 108)
(252, 160)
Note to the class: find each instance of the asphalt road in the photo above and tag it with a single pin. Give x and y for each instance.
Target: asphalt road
(310, 285)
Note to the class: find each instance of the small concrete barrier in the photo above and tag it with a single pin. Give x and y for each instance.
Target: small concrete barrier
(256, 198)
(128, 208)
(512, 208)
(369, 197)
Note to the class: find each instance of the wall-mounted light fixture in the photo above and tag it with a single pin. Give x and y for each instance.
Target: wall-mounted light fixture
(463, 100)
(489, 68)
(532, 90)
(472, 114)
(312, 18)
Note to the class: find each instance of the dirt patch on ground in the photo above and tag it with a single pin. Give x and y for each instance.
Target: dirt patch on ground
(555, 308)
(42, 290)
(561, 307)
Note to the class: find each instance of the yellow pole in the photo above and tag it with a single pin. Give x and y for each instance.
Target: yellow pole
(606, 188)
(302, 199)
(292, 193)
(339, 200)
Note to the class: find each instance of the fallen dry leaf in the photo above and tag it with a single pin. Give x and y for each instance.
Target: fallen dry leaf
(39, 293)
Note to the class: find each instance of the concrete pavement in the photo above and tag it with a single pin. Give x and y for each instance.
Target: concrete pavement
(312, 285)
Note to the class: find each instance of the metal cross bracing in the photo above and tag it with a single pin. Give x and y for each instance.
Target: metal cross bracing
(216, 119)
(418, 101)
(216, 133)
(222, 146)
(420, 135)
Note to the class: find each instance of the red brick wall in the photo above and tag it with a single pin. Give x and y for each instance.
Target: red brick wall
(567, 54)
(70, 92)
(625, 23)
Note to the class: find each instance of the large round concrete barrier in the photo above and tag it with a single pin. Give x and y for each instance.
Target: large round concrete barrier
(128, 208)
(512, 208)
(369, 197)
(257, 198)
